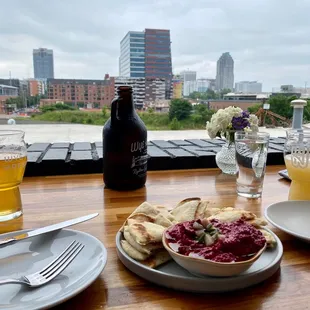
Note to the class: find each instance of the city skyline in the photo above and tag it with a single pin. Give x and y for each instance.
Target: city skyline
(271, 49)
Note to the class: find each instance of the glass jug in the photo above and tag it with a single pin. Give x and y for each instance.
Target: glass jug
(297, 160)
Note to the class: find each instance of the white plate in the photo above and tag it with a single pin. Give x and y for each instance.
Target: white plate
(173, 276)
(30, 255)
(291, 217)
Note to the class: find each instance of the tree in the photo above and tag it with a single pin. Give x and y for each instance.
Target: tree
(282, 105)
(179, 109)
(224, 91)
(16, 101)
(209, 94)
(33, 100)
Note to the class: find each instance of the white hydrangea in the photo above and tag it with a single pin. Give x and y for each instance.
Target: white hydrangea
(220, 122)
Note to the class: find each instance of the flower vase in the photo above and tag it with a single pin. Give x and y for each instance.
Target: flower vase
(226, 158)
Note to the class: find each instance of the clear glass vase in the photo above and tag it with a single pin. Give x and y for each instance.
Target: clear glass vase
(226, 158)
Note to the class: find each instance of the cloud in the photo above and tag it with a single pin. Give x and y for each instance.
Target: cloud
(266, 38)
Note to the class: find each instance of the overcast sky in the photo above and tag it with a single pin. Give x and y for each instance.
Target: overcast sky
(268, 39)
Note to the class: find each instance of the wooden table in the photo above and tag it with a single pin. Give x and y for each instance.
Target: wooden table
(48, 200)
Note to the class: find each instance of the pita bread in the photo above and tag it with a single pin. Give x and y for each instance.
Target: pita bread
(232, 215)
(157, 259)
(139, 218)
(143, 249)
(186, 210)
(258, 222)
(162, 221)
(146, 209)
(144, 233)
(164, 211)
(132, 252)
(271, 242)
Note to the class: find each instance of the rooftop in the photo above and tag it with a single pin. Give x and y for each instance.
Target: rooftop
(8, 86)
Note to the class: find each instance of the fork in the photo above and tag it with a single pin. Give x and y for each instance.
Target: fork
(52, 270)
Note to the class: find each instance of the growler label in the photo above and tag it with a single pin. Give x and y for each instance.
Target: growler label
(139, 158)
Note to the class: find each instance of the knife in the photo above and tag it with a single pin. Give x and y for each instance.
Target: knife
(47, 229)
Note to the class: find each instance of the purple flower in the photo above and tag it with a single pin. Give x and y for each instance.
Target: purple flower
(239, 123)
(245, 114)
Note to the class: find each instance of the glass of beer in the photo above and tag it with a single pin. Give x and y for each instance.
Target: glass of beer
(13, 159)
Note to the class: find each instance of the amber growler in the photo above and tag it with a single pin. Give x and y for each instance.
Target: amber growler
(124, 145)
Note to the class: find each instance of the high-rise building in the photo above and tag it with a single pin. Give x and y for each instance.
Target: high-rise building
(188, 75)
(147, 55)
(189, 82)
(158, 54)
(132, 57)
(248, 87)
(225, 72)
(43, 63)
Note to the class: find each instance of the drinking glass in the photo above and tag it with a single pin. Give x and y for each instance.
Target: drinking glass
(297, 161)
(251, 157)
(13, 159)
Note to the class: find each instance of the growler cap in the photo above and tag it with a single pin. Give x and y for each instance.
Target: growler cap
(124, 88)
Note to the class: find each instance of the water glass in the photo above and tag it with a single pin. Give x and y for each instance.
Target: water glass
(13, 159)
(251, 157)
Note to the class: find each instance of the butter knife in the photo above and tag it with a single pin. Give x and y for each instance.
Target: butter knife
(47, 229)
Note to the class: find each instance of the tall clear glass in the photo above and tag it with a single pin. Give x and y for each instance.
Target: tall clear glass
(13, 159)
(251, 157)
(297, 160)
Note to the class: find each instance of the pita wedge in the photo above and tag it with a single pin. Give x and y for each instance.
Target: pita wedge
(145, 233)
(139, 218)
(231, 215)
(146, 249)
(148, 209)
(205, 209)
(159, 258)
(186, 209)
(271, 242)
(132, 252)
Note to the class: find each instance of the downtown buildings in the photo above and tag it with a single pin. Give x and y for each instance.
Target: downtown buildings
(43, 63)
(250, 87)
(147, 55)
(225, 72)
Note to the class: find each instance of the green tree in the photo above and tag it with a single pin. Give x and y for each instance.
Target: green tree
(224, 91)
(209, 94)
(254, 108)
(17, 101)
(179, 109)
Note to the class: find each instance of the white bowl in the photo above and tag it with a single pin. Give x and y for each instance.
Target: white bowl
(205, 267)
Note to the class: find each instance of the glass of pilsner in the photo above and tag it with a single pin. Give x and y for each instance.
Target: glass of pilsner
(297, 161)
(251, 157)
(13, 159)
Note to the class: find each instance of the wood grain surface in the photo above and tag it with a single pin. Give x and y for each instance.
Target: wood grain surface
(47, 200)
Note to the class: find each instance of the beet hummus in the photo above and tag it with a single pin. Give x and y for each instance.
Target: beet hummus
(215, 240)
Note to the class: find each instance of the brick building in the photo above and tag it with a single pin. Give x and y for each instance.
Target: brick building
(95, 92)
(36, 87)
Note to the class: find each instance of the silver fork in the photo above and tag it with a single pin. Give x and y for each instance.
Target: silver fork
(52, 270)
